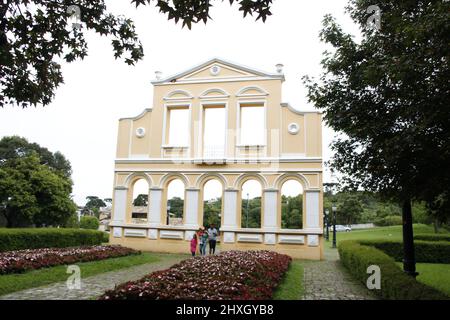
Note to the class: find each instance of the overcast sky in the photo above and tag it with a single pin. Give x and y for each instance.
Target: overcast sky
(82, 120)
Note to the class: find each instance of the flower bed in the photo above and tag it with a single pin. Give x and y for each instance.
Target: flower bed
(23, 260)
(231, 275)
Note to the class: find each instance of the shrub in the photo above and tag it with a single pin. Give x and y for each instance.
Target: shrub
(29, 238)
(388, 221)
(395, 284)
(425, 251)
(231, 275)
(432, 237)
(88, 222)
(23, 260)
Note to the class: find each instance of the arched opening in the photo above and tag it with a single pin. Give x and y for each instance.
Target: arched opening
(212, 203)
(251, 194)
(139, 201)
(292, 205)
(175, 203)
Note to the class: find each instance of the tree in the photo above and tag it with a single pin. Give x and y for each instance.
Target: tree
(176, 206)
(36, 34)
(87, 222)
(33, 194)
(15, 147)
(141, 200)
(350, 210)
(211, 212)
(389, 95)
(291, 212)
(94, 202)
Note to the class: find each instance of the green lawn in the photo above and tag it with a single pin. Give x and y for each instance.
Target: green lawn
(291, 287)
(387, 233)
(36, 278)
(436, 275)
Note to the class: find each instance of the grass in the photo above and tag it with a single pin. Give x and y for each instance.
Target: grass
(387, 233)
(36, 278)
(436, 275)
(291, 287)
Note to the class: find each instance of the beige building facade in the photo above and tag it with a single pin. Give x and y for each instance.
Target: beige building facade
(172, 141)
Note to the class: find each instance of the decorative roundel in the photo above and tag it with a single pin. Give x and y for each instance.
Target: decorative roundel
(214, 70)
(140, 132)
(293, 128)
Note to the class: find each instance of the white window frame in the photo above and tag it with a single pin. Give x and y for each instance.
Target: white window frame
(203, 105)
(238, 124)
(165, 134)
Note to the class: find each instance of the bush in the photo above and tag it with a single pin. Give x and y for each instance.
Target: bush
(88, 222)
(425, 251)
(29, 238)
(432, 237)
(231, 275)
(388, 221)
(395, 284)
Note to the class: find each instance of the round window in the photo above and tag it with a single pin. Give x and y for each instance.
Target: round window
(293, 128)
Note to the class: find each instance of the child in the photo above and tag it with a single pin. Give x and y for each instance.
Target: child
(194, 245)
(203, 240)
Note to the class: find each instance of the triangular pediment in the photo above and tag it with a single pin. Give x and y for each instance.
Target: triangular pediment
(217, 70)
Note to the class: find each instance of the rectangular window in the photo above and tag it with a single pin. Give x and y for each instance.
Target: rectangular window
(214, 131)
(178, 131)
(252, 124)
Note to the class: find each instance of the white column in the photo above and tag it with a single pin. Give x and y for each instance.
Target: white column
(230, 209)
(120, 204)
(312, 210)
(270, 209)
(154, 214)
(191, 215)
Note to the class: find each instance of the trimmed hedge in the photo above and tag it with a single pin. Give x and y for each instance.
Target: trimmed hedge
(395, 284)
(29, 238)
(425, 251)
(432, 237)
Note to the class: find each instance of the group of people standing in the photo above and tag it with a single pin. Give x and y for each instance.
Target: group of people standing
(202, 238)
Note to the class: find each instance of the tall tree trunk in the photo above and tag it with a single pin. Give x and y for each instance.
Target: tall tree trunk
(409, 260)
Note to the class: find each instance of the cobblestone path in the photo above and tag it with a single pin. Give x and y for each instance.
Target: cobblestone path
(93, 286)
(328, 280)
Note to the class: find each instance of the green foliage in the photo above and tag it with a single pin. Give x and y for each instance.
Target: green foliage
(211, 212)
(388, 221)
(432, 237)
(251, 213)
(292, 286)
(35, 35)
(30, 238)
(395, 284)
(32, 193)
(291, 212)
(72, 222)
(425, 251)
(387, 95)
(88, 222)
(94, 202)
(141, 200)
(350, 209)
(176, 206)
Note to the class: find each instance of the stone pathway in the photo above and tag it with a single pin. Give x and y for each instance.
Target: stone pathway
(328, 280)
(93, 286)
